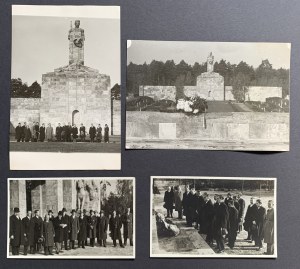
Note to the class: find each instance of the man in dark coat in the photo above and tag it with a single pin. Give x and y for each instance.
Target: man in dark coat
(259, 222)
(128, 227)
(82, 133)
(227, 198)
(249, 219)
(82, 235)
(26, 226)
(59, 231)
(184, 200)
(23, 132)
(220, 222)
(241, 202)
(169, 201)
(36, 132)
(106, 134)
(269, 228)
(92, 133)
(232, 224)
(64, 132)
(74, 132)
(42, 132)
(207, 215)
(50, 214)
(58, 131)
(92, 228)
(38, 232)
(191, 207)
(48, 232)
(18, 131)
(74, 228)
(102, 226)
(16, 231)
(69, 132)
(200, 203)
(115, 225)
(65, 219)
(27, 134)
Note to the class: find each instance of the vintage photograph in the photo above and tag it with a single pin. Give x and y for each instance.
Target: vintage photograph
(217, 217)
(71, 218)
(65, 88)
(208, 95)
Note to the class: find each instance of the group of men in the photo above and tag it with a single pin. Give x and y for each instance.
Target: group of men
(63, 133)
(64, 230)
(223, 219)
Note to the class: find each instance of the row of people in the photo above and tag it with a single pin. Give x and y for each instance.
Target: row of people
(66, 133)
(223, 218)
(64, 230)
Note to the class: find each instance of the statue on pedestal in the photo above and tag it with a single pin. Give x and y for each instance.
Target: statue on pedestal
(76, 44)
(210, 63)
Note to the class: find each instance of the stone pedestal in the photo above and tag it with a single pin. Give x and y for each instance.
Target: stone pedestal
(69, 194)
(76, 94)
(17, 196)
(211, 84)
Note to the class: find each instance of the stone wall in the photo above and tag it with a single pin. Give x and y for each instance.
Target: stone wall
(191, 91)
(233, 126)
(75, 94)
(158, 92)
(116, 117)
(260, 93)
(24, 110)
(228, 94)
(17, 195)
(211, 84)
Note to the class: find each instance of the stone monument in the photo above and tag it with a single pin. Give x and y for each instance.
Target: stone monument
(210, 83)
(75, 93)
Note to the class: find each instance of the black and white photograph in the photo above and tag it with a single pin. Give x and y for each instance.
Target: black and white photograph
(217, 217)
(208, 95)
(65, 111)
(71, 218)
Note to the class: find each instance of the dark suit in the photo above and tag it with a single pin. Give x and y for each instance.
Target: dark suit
(18, 133)
(16, 230)
(128, 228)
(82, 133)
(82, 235)
(207, 215)
(92, 229)
(26, 226)
(58, 131)
(42, 133)
(259, 231)
(74, 229)
(115, 225)
(169, 200)
(219, 223)
(233, 222)
(249, 218)
(92, 133)
(191, 208)
(65, 220)
(37, 223)
(102, 226)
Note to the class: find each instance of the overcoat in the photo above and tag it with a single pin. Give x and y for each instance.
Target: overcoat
(75, 132)
(82, 235)
(178, 196)
(65, 220)
(27, 135)
(128, 225)
(99, 133)
(241, 201)
(220, 218)
(16, 229)
(48, 232)
(233, 221)
(259, 220)
(38, 228)
(102, 226)
(27, 226)
(169, 199)
(106, 134)
(42, 133)
(269, 227)
(58, 131)
(49, 133)
(207, 214)
(59, 231)
(82, 132)
(18, 132)
(73, 227)
(184, 202)
(192, 203)
(92, 226)
(250, 217)
(115, 225)
(92, 132)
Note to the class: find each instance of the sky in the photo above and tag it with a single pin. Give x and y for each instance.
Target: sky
(140, 51)
(40, 44)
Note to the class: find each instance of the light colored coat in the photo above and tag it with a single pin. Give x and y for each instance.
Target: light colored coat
(49, 133)
(269, 227)
(178, 196)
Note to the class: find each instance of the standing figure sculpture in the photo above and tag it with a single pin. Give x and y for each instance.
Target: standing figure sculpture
(210, 63)
(76, 44)
(81, 193)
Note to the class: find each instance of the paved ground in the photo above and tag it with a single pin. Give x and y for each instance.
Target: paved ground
(191, 242)
(132, 143)
(110, 250)
(113, 147)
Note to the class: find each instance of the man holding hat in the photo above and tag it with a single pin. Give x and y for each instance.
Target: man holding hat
(74, 228)
(16, 232)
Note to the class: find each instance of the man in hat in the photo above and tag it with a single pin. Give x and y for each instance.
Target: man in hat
(18, 131)
(82, 235)
(128, 227)
(228, 197)
(259, 223)
(74, 228)
(269, 228)
(92, 228)
(65, 219)
(59, 232)
(102, 226)
(27, 226)
(16, 231)
(115, 225)
(50, 214)
(38, 232)
(232, 223)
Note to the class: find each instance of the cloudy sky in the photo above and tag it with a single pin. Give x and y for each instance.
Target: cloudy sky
(140, 51)
(40, 44)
